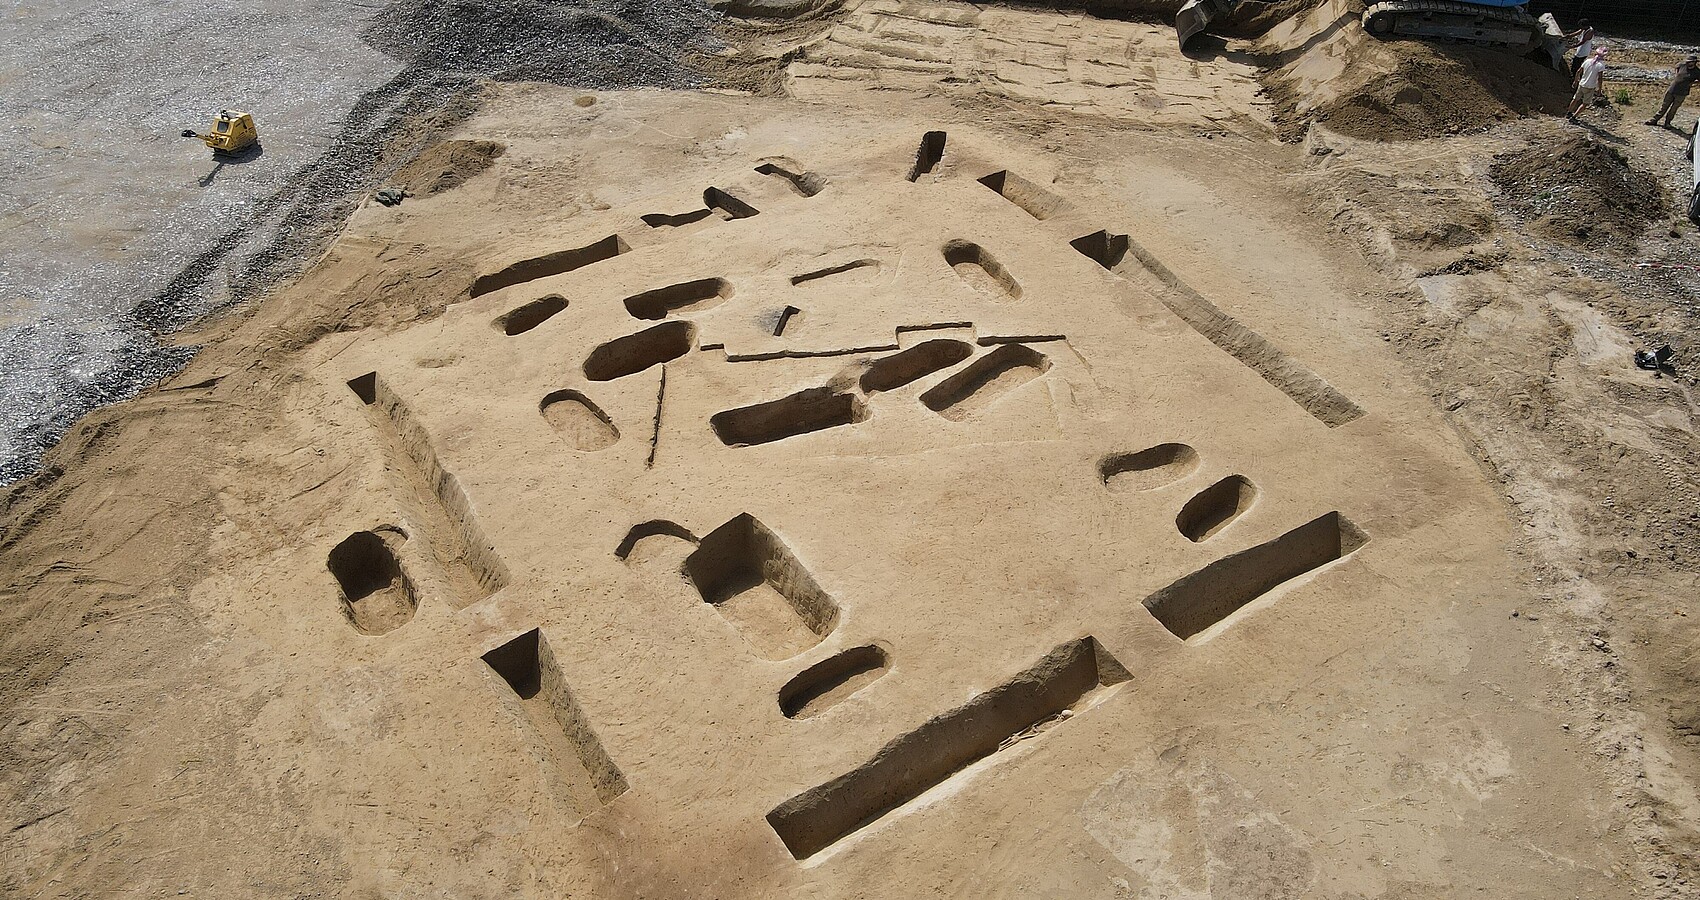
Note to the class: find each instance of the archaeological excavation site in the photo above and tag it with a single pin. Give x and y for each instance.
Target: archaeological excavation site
(871, 449)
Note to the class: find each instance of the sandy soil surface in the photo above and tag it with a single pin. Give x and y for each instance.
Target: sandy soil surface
(1006, 475)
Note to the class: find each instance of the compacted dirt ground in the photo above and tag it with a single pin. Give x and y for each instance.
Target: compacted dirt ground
(996, 456)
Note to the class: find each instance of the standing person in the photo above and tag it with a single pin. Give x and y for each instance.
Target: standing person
(1584, 38)
(1590, 79)
(1681, 80)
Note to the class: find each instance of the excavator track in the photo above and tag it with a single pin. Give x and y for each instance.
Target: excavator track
(1500, 26)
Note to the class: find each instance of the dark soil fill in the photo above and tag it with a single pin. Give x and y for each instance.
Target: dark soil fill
(606, 44)
(446, 165)
(1252, 18)
(1580, 191)
(1436, 91)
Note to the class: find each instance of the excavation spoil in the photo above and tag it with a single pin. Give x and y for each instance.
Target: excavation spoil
(1433, 92)
(1577, 190)
(446, 165)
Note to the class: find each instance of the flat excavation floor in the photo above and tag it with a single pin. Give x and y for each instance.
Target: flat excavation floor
(821, 503)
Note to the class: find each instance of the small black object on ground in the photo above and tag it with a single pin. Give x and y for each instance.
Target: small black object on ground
(1656, 360)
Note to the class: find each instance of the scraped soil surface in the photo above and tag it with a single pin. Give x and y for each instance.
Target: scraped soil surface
(516, 551)
(1580, 191)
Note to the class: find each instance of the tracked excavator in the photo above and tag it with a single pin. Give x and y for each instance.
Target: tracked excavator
(1499, 23)
(1496, 23)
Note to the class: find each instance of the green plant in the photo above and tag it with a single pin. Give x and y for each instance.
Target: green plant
(1623, 98)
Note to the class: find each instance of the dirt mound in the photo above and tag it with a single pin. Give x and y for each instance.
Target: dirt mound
(446, 165)
(1253, 18)
(1580, 191)
(1434, 91)
(1327, 69)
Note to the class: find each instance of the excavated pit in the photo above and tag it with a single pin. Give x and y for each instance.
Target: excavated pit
(753, 580)
(1071, 677)
(557, 263)
(524, 318)
(556, 726)
(1196, 602)
(685, 297)
(634, 353)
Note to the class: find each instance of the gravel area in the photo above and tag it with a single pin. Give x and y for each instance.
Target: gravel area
(118, 231)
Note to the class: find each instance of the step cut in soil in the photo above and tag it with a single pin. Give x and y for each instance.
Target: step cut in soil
(654, 528)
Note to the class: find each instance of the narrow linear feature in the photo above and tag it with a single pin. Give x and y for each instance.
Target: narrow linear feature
(457, 539)
(655, 436)
(1068, 680)
(1029, 197)
(1306, 388)
(568, 744)
(872, 265)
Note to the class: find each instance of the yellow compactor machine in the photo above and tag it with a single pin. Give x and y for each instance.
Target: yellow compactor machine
(232, 132)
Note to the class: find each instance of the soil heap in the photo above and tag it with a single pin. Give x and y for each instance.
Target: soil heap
(447, 165)
(1577, 190)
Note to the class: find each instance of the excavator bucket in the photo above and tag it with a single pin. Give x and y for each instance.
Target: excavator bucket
(1195, 17)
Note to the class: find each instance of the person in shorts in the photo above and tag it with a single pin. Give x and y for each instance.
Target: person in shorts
(1681, 80)
(1590, 80)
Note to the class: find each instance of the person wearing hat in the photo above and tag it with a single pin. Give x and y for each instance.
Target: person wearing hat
(1681, 80)
(1590, 80)
(1583, 37)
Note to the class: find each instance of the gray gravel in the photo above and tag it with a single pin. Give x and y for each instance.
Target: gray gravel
(114, 230)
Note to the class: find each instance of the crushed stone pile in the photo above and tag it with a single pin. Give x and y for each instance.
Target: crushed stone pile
(1577, 190)
(603, 44)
